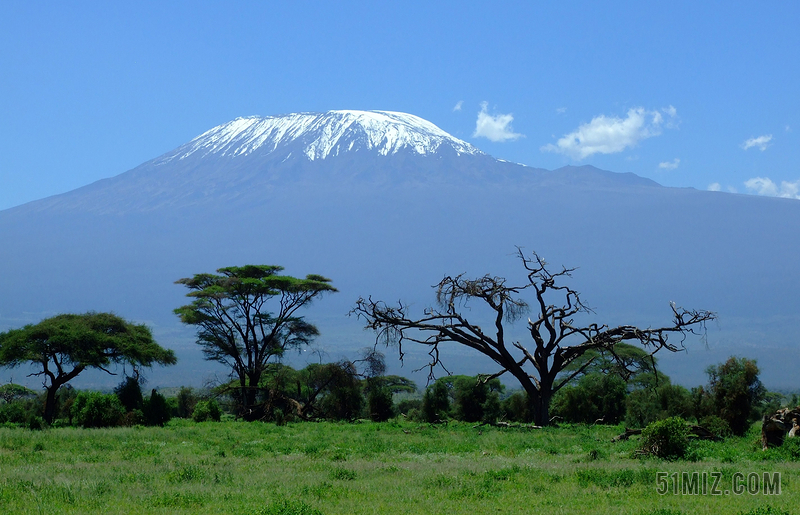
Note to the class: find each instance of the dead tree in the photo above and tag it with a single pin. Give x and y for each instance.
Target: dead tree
(557, 339)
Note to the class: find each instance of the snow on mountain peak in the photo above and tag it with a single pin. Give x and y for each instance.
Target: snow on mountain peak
(322, 135)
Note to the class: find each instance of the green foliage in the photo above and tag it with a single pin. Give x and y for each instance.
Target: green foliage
(647, 405)
(65, 345)
(595, 397)
(129, 392)
(22, 411)
(735, 391)
(380, 404)
(716, 425)
(11, 392)
(95, 409)
(405, 406)
(668, 438)
(516, 407)
(207, 410)
(343, 399)
(475, 399)
(436, 402)
(236, 327)
(156, 410)
(186, 400)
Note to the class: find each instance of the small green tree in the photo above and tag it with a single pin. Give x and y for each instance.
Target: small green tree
(65, 345)
(129, 392)
(436, 402)
(668, 438)
(156, 409)
(736, 390)
(186, 401)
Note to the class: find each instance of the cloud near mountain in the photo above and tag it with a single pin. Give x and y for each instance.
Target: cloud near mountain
(611, 134)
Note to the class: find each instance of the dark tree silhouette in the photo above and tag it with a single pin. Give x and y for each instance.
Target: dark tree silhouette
(557, 339)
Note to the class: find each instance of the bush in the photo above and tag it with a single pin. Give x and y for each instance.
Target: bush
(517, 407)
(717, 426)
(95, 409)
(129, 393)
(406, 405)
(436, 402)
(596, 396)
(206, 410)
(380, 404)
(156, 410)
(668, 438)
(186, 402)
(648, 405)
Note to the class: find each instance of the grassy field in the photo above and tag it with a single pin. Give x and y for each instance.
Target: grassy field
(328, 468)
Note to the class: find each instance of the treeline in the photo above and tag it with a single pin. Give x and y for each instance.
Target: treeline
(346, 391)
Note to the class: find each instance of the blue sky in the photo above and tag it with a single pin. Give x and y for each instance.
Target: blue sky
(690, 94)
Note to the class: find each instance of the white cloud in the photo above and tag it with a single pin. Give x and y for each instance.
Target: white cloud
(714, 186)
(670, 165)
(761, 142)
(609, 135)
(458, 106)
(561, 110)
(494, 128)
(765, 186)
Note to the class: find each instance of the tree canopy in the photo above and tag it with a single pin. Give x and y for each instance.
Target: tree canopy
(557, 339)
(246, 316)
(63, 346)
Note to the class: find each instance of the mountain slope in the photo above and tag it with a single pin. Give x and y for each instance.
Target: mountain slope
(386, 209)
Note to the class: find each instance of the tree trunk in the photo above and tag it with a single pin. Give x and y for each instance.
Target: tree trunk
(541, 409)
(50, 403)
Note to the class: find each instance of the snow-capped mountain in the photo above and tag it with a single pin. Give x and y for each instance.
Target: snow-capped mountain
(322, 135)
(386, 204)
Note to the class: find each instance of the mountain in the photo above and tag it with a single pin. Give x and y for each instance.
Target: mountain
(386, 204)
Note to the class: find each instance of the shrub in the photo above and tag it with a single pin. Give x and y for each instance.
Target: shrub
(129, 393)
(666, 438)
(717, 426)
(206, 410)
(596, 396)
(436, 402)
(95, 409)
(648, 405)
(186, 402)
(156, 410)
(517, 407)
(380, 404)
(406, 405)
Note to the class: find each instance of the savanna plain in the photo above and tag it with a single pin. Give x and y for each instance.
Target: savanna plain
(396, 466)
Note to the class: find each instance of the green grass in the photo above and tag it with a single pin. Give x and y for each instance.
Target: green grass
(328, 468)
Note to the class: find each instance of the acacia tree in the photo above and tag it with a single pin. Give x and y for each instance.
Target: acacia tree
(65, 345)
(557, 339)
(246, 316)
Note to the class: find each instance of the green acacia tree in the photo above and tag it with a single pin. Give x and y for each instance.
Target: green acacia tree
(246, 316)
(63, 346)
